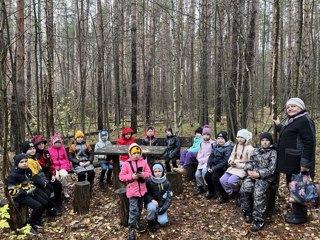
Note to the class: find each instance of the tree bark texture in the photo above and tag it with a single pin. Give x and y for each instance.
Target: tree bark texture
(81, 201)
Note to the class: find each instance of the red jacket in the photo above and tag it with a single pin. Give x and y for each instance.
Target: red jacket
(124, 141)
(134, 188)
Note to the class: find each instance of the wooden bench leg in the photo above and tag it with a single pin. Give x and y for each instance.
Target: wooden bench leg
(176, 182)
(81, 201)
(123, 206)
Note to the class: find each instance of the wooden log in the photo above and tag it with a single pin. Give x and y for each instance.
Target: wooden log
(191, 171)
(81, 201)
(19, 216)
(176, 182)
(116, 170)
(123, 206)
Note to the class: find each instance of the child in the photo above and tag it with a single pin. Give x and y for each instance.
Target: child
(202, 157)
(61, 162)
(104, 163)
(158, 198)
(188, 156)
(24, 192)
(134, 172)
(217, 164)
(150, 139)
(173, 149)
(81, 156)
(126, 139)
(45, 161)
(39, 179)
(260, 170)
(239, 156)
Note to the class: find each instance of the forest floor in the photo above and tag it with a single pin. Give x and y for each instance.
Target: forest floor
(190, 218)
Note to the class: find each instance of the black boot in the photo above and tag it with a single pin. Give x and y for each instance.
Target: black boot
(53, 212)
(298, 214)
(139, 227)
(199, 191)
(152, 226)
(247, 216)
(257, 225)
(209, 195)
(132, 235)
(168, 168)
(224, 198)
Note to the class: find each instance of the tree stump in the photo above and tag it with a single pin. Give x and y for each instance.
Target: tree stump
(191, 171)
(123, 206)
(81, 201)
(176, 182)
(19, 216)
(116, 170)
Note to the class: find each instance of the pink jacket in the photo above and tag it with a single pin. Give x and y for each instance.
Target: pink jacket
(134, 188)
(59, 156)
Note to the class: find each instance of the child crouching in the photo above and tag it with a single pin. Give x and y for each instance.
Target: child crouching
(134, 172)
(158, 198)
(260, 170)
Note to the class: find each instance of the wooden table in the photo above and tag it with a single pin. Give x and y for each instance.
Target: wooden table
(114, 151)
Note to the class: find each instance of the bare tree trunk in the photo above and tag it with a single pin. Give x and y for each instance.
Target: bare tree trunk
(299, 9)
(248, 73)
(306, 90)
(49, 33)
(204, 66)
(19, 97)
(100, 40)
(116, 53)
(275, 56)
(232, 100)
(134, 93)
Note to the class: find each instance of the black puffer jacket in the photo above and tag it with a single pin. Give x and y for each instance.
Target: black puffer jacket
(159, 189)
(150, 141)
(173, 147)
(19, 182)
(218, 159)
(296, 145)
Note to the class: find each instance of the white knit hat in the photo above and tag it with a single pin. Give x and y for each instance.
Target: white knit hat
(244, 133)
(298, 102)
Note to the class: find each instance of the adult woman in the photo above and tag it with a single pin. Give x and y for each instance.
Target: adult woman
(296, 150)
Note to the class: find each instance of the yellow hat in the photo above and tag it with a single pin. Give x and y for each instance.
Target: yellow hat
(134, 148)
(78, 134)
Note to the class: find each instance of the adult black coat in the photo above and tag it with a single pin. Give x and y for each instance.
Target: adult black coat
(296, 145)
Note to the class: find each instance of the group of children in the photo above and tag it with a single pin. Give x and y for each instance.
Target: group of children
(221, 167)
(40, 175)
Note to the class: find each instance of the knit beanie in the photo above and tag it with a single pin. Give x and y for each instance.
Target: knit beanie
(296, 101)
(19, 157)
(134, 148)
(206, 130)
(223, 134)
(38, 139)
(157, 166)
(26, 145)
(244, 133)
(103, 133)
(267, 136)
(78, 134)
(198, 130)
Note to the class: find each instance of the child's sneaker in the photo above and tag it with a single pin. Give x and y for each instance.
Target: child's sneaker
(247, 216)
(152, 226)
(132, 235)
(139, 228)
(257, 225)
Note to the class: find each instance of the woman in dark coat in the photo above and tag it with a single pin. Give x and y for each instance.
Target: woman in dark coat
(296, 150)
